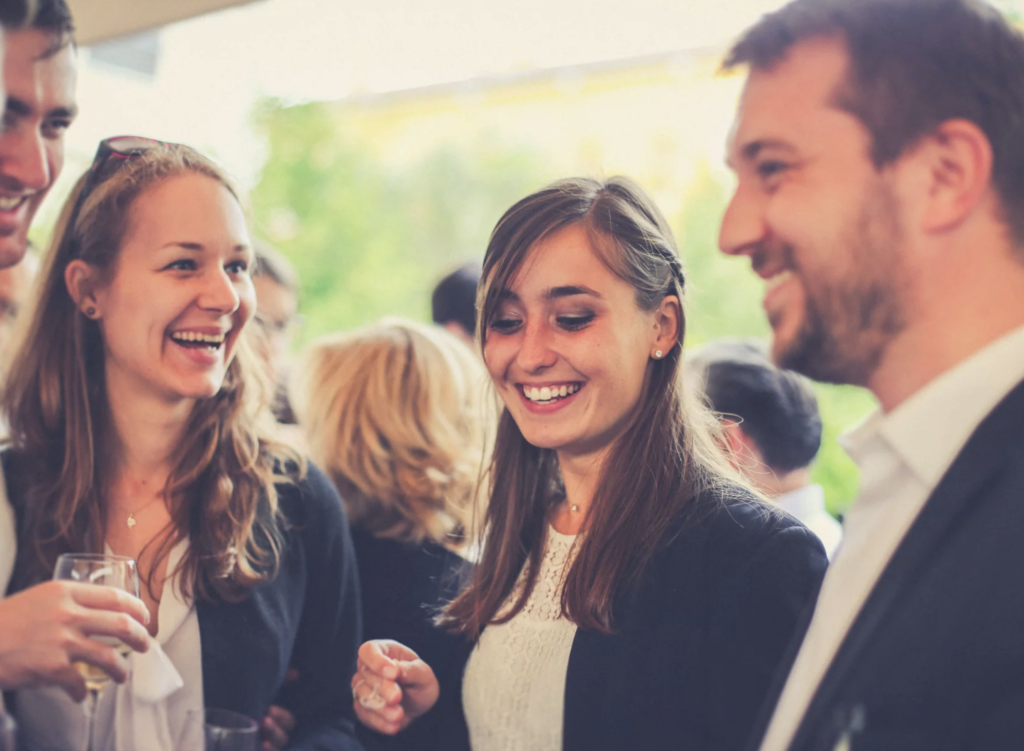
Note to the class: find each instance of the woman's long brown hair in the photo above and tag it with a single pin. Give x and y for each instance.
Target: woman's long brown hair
(666, 456)
(220, 490)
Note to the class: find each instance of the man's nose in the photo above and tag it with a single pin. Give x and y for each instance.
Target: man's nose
(743, 225)
(23, 160)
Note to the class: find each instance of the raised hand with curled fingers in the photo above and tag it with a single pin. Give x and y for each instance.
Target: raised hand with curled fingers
(392, 686)
(45, 628)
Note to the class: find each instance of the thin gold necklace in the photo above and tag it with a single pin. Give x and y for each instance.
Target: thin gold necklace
(131, 514)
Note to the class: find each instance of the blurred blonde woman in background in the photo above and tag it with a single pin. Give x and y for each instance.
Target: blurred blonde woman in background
(396, 414)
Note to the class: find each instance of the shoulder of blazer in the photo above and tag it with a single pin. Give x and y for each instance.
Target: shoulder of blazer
(726, 533)
(732, 521)
(309, 502)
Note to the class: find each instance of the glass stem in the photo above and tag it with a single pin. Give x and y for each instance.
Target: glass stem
(91, 699)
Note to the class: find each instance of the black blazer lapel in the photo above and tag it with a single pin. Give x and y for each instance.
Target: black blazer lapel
(958, 494)
(779, 683)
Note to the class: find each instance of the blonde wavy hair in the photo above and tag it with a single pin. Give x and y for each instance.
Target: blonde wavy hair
(396, 413)
(221, 489)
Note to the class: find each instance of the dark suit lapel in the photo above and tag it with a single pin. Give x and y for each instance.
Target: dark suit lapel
(959, 493)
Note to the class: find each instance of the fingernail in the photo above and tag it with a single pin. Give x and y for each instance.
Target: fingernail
(390, 671)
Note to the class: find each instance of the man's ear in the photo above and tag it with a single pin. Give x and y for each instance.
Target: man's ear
(667, 320)
(742, 448)
(82, 282)
(957, 159)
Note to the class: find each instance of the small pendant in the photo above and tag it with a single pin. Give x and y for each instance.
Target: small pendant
(131, 521)
(574, 507)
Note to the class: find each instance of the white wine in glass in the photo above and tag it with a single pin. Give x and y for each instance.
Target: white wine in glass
(102, 571)
(8, 732)
(96, 679)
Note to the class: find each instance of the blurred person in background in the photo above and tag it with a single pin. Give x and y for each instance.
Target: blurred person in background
(396, 414)
(138, 427)
(631, 591)
(771, 426)
(46, 627)
(453, 303)
(277, 306)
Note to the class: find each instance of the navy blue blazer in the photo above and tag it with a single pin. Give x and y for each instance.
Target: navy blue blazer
(697, 643)
(308, 618)
(935, 659)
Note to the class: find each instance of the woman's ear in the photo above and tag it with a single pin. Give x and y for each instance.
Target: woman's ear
(667, 320)
(81, 280)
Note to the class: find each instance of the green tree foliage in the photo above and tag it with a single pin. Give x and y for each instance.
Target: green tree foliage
(370, 240)
(367, 240)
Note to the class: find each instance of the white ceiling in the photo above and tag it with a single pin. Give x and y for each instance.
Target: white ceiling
(100, 20)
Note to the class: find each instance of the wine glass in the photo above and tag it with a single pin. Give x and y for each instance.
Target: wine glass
(106, 571)
(224, 730)
(8, 731)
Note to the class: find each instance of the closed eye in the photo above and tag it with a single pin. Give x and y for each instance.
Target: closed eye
(505, 325)
(575, 323)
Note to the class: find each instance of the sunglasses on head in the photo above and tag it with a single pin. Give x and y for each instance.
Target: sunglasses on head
(111, 151)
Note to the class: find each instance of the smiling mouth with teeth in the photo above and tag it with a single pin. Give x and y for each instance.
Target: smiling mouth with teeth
(8, 203)
(197, 340)
(549, 394)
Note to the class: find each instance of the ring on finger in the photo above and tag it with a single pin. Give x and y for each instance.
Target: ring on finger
(373, 700)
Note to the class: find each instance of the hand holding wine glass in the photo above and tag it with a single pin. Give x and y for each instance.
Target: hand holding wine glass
(45, 628)
(99, 572)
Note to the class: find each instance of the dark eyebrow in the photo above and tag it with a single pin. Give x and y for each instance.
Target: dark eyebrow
(194, 247)
(198, 247)
(18, 106)
(750, 151)
(23, 109)
(570, 291)
(69, 113)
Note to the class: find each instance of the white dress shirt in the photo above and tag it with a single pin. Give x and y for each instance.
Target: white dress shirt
(158, 709)
(807, 505)
(902, 457)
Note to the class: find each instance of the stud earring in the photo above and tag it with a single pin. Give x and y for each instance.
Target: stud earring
(90, 312)
(657, 354)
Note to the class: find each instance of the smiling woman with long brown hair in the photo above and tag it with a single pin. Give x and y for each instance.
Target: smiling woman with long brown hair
(631, 591)
(137, 428)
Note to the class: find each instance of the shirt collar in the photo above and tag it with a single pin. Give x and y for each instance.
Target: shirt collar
(930, 428)
(802, 502)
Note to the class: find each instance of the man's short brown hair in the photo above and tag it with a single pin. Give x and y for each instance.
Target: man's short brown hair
(913, 65)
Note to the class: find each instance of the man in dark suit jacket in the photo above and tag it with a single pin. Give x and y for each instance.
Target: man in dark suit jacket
(879, 152)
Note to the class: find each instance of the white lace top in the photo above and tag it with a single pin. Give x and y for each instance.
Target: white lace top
(513, 692)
